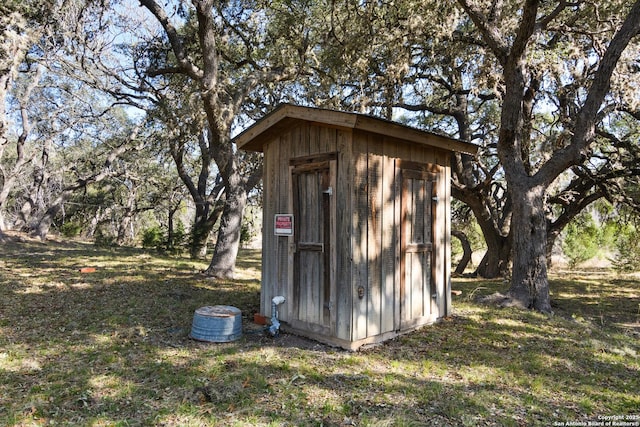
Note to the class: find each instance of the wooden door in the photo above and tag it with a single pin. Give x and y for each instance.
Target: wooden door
(418, 200)
(312, 270)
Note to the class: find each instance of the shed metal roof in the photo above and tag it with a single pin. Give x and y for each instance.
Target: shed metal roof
(286, 115)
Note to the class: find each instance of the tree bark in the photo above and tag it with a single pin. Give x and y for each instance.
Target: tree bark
(493, 224)
(44, 225)
(495, 262)
(200, 231)
(529, 282)
(206, 218)
(127, 216)
(171, 235)
(466, 251)
(223, 262)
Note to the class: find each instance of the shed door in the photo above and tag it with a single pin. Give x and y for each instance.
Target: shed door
(312, 272)
(416, 243)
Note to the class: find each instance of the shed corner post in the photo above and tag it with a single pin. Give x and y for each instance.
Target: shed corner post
(448, 309)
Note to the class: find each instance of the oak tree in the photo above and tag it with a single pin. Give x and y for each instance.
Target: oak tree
(232, 52)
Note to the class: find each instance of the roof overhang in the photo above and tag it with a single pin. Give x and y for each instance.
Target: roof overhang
(288, 115)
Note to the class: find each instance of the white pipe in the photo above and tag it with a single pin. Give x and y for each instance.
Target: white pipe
(274, 329)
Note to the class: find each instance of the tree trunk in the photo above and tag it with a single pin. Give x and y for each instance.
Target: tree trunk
(466, 251)
(5, 190)
(93, 225)
(127, 217)
(199, 238)
(170, 233)
(223, 262)
(495, 262)
(552, 236)
(529, 281)
(493, 224)
(43, 226)
(202, 227)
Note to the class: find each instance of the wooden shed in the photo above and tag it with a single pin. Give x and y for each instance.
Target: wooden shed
(356, 226)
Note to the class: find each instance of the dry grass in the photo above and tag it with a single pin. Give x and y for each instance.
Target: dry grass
(111, 348)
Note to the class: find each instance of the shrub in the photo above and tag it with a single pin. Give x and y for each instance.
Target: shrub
(104, 239)
(180, 235)
(627, 258)
(581, 241)
(152, 237)
(70, 229)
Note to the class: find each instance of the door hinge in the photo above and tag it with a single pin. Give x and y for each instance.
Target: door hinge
(435, 199)
(328, 191)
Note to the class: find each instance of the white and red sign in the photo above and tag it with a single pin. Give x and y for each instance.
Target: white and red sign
(283, 225)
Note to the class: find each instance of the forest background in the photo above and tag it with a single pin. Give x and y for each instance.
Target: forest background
(117, 117)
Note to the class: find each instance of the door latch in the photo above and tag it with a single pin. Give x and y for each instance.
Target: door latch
(328, 191)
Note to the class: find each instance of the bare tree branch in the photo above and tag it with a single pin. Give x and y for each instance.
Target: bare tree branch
(185, 63)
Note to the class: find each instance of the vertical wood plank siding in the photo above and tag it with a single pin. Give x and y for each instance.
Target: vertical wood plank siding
(376, 230)
(360, 242)
(346, 189)
(271, 265)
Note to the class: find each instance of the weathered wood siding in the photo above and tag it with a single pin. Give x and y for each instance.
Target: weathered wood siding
(345, 187)
(376, 237)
